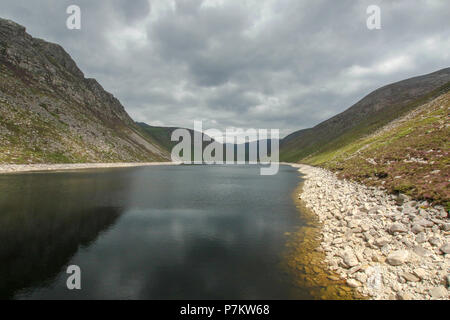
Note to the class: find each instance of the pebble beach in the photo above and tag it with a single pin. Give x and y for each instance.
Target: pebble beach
(384, 246)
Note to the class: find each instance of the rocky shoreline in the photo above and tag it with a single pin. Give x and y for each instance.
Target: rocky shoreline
(17, 168)
(384, 246)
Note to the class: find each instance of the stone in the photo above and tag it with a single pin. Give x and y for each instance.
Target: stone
(316, 269)
(402, 198)
(410, 277)
(421, 238)
(385, 249)
(404, 296)
(374, 278)
(445, 226)
(353, 283)
(397, 227)
(350, 259)
(367, 252)
(407, 243)
(443, 214)
(417, 228)
(398, 257)
(439, 292)
(424, 223)
(361, 277)
(353, 224)
(420, 251)
(445, 248)
(380, 242)
(365, 227)
(421, 273)
(360, 256)
(354, 269)
(367, 236)
(356, 230)
(378, 258)
(434, 241)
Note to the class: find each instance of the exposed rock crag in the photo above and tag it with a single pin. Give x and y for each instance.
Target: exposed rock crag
(49, 112)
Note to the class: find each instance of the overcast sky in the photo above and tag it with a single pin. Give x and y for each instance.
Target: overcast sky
(286, 64)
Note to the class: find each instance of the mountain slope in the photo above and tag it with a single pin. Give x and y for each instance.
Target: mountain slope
(366, 116)
(163, 135)
(409, 155)
(49, 112)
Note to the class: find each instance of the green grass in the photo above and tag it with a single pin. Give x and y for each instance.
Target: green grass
(379, 159)
(316, 149)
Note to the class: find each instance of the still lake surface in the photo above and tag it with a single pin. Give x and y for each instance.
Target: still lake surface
(162, 232)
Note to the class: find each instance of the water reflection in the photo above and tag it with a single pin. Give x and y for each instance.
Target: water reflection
(184, 232)
(44, 220)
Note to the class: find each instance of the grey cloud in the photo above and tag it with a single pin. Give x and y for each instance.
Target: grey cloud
(258, 63)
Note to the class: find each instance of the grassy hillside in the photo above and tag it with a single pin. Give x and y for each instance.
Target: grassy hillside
(162, 135)
(409, 155)
(365, 117)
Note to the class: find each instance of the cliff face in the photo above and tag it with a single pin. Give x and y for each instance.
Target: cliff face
(49, 112)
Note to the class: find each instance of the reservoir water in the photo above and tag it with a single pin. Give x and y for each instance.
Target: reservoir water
(162, 232)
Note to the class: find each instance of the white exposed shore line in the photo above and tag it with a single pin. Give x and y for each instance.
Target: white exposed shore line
(385, 246)
(18, 168)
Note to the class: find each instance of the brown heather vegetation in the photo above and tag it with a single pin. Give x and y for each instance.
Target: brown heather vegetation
(409, 155)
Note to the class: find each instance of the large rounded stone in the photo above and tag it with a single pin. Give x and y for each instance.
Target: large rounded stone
(397, 227)
(353, 283)
(421, 273)
(350, 259)
(398, 257)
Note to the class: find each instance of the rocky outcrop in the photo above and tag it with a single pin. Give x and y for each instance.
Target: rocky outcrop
(49, 112)
(373, 240)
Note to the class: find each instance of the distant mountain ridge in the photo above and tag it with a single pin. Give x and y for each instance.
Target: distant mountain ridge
(163, 136)
(49, 112)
